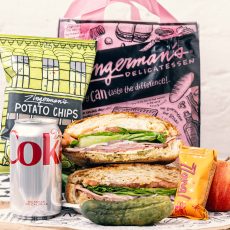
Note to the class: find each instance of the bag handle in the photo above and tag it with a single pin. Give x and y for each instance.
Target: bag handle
(165, 16)
(84, 9)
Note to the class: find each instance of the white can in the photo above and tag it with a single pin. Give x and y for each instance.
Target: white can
(35, 168)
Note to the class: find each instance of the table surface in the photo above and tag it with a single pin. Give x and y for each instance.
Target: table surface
(9, 226)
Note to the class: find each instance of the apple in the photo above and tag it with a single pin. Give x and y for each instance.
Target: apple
(219, 195)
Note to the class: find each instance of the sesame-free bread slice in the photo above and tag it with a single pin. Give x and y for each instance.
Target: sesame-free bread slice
(127, 175)
(126, 120)
(123, 175)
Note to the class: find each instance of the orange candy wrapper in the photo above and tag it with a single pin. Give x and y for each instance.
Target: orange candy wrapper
(197, 170)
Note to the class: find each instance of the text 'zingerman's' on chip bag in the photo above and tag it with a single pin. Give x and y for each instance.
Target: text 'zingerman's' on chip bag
(46, 77)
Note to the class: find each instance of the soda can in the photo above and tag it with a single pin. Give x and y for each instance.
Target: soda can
(35, 168)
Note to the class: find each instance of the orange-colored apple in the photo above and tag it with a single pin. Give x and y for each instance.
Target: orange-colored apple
(219, 195)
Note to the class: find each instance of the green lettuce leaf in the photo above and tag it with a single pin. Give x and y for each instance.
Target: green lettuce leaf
(92, 140)
(101, 189)
(74, 143)
(122, 134)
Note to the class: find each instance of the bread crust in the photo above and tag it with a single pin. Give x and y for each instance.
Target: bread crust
(168, 126)
(74, 196)
(70, 193)
(165, 155)
(128, 175)
(121, 175)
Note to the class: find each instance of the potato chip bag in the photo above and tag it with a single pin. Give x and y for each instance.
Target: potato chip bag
(46, 77)
(197, 170)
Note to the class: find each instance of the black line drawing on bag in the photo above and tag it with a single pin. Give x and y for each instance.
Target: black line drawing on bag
(142, 32)
(125, 32)
(123, 44)
(97, 31)
(193, 104)
(181, 87)
(108, 41)
(183, 30)
(140, 110)
(172, 114)
(133, 33)
(182, 105)
(196, 92)
(150, 45)
(164, 32)
(191, 129)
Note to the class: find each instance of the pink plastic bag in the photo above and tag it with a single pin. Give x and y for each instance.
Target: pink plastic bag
(95, 10)
(146, 61)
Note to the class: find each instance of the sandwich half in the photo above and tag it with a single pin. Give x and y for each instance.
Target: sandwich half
(142, 32)
(120, 138)
(121, 182)
(124, 32)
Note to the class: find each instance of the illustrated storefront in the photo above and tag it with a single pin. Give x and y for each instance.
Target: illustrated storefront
(39, 75)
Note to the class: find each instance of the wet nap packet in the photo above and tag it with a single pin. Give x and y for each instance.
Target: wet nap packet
(197, 166)
(144, 67)
(45, 77)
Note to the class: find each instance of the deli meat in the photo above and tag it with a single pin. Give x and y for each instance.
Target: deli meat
(105, 197)
(119, 146)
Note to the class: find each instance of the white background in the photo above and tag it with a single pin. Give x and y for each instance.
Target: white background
(40, 17)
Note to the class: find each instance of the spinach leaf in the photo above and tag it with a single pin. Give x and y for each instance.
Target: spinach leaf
(74, 143)
(135, 135)
(120, 134)
(101, 189)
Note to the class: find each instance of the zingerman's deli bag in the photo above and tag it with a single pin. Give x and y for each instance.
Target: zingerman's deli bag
(45, 77)
(146, 61)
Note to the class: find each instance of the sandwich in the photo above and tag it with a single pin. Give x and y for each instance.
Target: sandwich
(142, 32)
(124, 32)
(121, 182)
(183, 30)
(120, 138)
(130, 32)
(164, 32)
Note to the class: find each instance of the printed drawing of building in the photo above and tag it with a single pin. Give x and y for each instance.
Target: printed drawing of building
(44, 67)
(4, 155)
